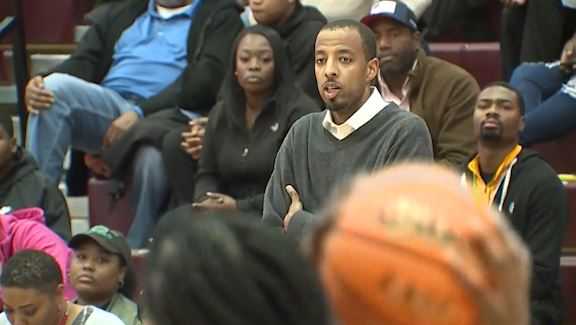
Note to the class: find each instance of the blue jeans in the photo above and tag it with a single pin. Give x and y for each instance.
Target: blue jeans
(79, 118)
(148, 194)
(549, 100)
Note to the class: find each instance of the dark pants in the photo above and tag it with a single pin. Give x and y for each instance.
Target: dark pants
(549, 98)
(78, 174)
(180, 168)
(534, 32)
(139, 152)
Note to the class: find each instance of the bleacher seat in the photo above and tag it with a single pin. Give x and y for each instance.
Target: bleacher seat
(568, 278)
(559, 153)
(482, 60)
(569, 246)
(139, 264)
(46, 22)
(106, 209)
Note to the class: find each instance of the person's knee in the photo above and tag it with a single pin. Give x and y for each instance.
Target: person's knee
(59, 83)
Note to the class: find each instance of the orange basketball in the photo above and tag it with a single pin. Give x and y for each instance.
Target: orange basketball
(398, 248)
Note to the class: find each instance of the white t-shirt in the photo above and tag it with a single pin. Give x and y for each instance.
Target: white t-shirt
(90, 315)
(341, 9)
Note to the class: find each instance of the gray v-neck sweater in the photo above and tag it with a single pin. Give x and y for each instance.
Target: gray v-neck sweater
(315, 162)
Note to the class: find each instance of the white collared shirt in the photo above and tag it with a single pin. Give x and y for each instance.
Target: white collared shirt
(367, 111)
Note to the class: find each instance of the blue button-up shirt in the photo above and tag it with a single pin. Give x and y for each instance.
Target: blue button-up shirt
(150, 54)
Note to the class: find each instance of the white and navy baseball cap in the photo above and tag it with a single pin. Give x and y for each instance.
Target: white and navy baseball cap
(395, 10)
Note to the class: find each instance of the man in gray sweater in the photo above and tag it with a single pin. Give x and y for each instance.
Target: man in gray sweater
(359, 132)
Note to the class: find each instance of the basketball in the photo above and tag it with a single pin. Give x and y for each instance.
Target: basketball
(398, 246)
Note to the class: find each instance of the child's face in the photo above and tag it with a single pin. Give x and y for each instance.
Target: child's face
(270, 12)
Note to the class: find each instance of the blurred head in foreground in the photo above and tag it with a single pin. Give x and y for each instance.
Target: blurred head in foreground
(217, 268)
(410, 245)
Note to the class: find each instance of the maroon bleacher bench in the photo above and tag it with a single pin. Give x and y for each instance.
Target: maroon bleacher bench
(559, 153)
(568, 282)
(569, 246)
(481, 60)
(107, 206)
(139, 268)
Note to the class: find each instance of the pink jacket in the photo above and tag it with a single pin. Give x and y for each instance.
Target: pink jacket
(25, 229)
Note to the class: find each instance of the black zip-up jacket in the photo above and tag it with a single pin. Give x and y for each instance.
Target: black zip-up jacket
(537, 207)
(25, 187)
(299, 33)
(212, 32)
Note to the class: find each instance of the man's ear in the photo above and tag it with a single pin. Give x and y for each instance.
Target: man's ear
(372, 70)
(522, 125)
(13, 145)
(416, 38)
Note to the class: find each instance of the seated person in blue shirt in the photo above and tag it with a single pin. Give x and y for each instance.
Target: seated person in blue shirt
(260, 101)
(132, 63)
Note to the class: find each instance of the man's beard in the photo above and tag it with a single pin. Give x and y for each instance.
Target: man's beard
(335, 107)
(402, 66)
(491, 136)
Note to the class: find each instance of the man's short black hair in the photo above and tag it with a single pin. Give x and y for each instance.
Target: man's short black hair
(31, 269)
(366, 35)
(508, 86)
(6, 124)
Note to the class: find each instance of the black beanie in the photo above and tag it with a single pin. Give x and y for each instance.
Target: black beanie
(218, 268)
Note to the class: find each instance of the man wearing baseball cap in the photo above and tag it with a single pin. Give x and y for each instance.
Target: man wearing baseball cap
(441, 93)
(101, 272)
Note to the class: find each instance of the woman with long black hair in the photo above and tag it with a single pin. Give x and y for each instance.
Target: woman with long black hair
(259, 102)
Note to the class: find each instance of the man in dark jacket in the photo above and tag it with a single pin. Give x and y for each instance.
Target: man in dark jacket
(133, 63)
(524, 187)
(23, 186)
(143, 57)
(298, 26)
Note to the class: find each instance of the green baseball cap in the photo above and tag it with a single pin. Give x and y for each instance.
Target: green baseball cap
(111, 240)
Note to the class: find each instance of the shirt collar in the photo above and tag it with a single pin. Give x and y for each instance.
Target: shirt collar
(474, 167)
(152, 11)
(390, 96)
(363, 115)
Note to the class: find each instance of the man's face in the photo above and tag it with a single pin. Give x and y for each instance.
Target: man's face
(7, 148)
(30, 306)
(497, 117)
(397, 46)
(270, 12)
(342, 71)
